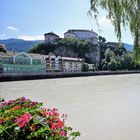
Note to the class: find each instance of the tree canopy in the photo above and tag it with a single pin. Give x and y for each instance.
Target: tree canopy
(68, 47)
(121, 12)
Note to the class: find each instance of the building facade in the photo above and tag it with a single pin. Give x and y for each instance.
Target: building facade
(87, 35)
(63, 64)
(72, 64)
(82, 34)
(50, 37)
(11, 62)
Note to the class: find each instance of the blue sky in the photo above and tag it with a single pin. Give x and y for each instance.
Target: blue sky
(30, 19)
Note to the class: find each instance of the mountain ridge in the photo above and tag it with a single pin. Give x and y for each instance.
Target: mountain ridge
(19, 45)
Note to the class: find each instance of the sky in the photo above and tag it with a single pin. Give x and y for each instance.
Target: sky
(30, 19)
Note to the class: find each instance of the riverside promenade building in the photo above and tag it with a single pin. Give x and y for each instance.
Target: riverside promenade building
(12, 62)
(22, 62)
(63, 64)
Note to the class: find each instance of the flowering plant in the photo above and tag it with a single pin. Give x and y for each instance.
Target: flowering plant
(24, 119)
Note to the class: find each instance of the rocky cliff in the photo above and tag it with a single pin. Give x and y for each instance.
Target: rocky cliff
(71, 48)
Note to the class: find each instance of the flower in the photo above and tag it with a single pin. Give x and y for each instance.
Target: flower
(23, 98)
(64, 116)
(14, 108)
(62, 133)
(24, 119)
(33, 127)
(58, 125)
(1, 120)
(33, 103)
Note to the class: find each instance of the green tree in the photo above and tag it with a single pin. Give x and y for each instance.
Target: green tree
(85, 67)
(3, 48)
(112, 65)
(109, 54)
(121, 12)
(94, 68)
(127, 62)
(79, 48)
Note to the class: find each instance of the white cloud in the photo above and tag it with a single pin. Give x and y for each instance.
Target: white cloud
(104, 21)
(12, 28)
(2, 36)
(28, 37)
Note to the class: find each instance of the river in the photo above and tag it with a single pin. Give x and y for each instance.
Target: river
(100, 107)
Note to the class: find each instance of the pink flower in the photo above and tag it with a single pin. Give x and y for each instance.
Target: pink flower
(54, 126)
(9, 102)
(64, 116)
(55, 113)
(24, 119)
(62, 133)
(58, 125)
(23, 98)
(1, 120)
(33, 103)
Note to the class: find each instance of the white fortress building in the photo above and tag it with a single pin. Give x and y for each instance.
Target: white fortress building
(50, 37)
(82, 34)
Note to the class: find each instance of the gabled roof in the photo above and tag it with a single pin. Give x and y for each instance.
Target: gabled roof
(21, 54)
(72, 59)
(79, 30)
(51, 33)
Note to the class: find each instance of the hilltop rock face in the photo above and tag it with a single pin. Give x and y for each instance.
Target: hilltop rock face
(71, 48)
(91, 56)
(64, 51)
(94, 56)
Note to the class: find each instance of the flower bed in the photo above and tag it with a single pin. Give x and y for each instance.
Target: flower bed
(23, 119)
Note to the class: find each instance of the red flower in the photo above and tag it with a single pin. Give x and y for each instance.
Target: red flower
(14, 108)
(24, 119)
(1, 120)
(58, 125)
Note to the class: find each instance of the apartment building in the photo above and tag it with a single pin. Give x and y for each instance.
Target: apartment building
(63, 64)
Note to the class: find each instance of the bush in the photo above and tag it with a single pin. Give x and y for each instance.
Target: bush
(85, 68)
(94, 68)
(22, 119)
(112, 65)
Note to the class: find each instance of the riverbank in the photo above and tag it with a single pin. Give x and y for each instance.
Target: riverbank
(23, 76)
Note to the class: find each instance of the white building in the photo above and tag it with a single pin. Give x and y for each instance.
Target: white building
(86, 35)
(91, 66)
(82, 34)
(63, 64)
(50, 37)
(53, 63)
(72, 64)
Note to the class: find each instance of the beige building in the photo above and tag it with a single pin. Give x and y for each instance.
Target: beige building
(53, 63)
(87, 35)
(63, 64)
(72, 64)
